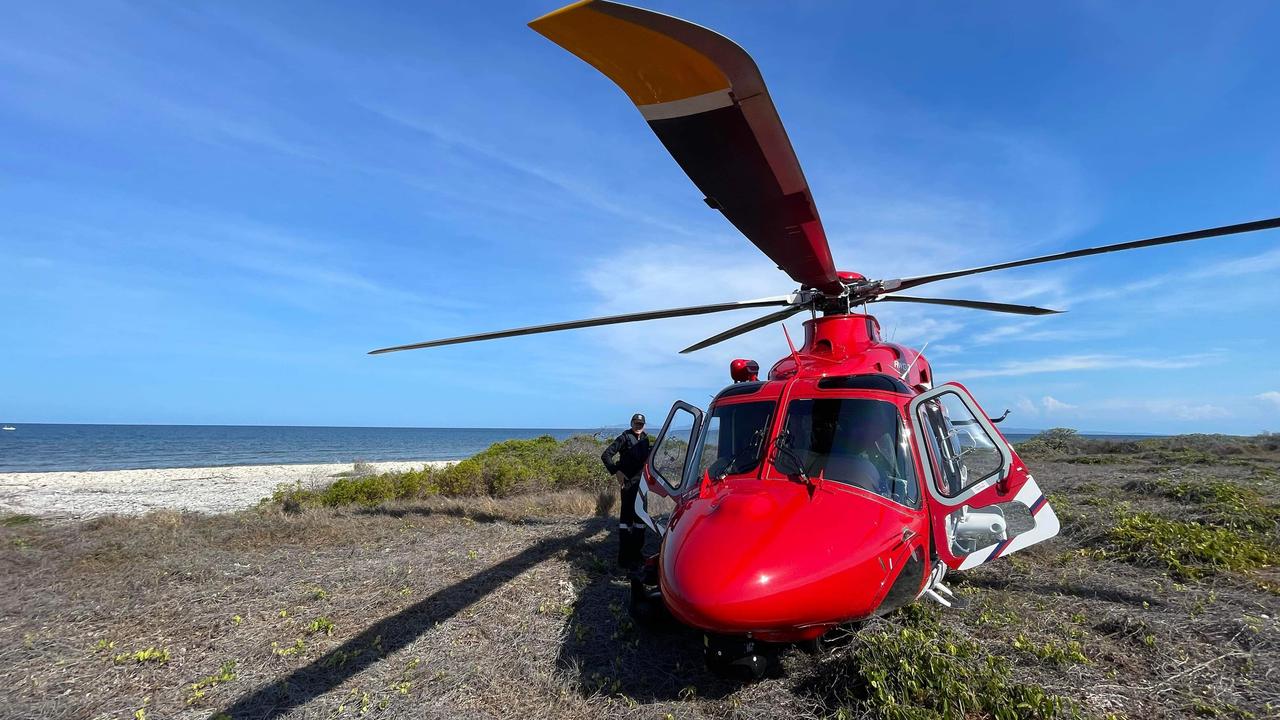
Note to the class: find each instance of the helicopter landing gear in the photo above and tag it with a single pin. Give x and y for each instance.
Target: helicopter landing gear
(736, 657)
(646, 604)
(934, 590)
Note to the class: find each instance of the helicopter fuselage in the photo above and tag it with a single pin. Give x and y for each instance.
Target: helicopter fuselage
(837, 489)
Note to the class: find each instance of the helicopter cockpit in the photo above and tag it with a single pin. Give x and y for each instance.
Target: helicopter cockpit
(855, 441)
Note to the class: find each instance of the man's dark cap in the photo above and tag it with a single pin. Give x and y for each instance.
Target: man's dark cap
(637, 418)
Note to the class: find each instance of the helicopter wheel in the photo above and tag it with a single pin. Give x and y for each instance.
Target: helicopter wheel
(646, 605)
(736, 658)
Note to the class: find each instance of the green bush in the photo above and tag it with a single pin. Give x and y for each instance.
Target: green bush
(1225, 503)
(504, 469)
(1195, 449)
(464, 478)
(923, 671)
(1184, 550)
(1056, 440)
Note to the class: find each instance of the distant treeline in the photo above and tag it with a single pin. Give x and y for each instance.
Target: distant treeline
(1197, 448)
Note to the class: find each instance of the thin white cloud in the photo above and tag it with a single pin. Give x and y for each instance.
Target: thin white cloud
(1167, 409)
(1268, 261)
(490, 153)
(1052, 404)
(1071, 363)
(1026, 406)
(1272, 397)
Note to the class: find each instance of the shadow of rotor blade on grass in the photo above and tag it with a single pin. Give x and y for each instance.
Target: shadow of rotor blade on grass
(396, 631)
(1082, 590)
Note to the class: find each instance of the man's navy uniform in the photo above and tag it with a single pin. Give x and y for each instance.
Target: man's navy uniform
(632, 450)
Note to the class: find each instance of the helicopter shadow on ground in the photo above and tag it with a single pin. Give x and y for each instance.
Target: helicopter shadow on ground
(480, 516)
(605, 651)
(396, 631)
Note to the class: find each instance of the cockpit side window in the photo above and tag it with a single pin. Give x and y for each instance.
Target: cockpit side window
(855, 441)
(733, 439)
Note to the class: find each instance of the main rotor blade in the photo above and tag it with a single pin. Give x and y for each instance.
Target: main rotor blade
(745, 327)
(975, 304)
(595, 322)
(905, 283)
(705, 99)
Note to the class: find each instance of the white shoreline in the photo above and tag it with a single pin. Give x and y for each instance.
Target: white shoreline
(134, 492)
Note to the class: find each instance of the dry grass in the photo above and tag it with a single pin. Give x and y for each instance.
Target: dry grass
(509, 608)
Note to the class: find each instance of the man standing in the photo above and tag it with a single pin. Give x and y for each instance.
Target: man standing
(631, 449)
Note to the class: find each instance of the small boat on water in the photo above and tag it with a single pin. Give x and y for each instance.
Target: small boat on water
(8, 427)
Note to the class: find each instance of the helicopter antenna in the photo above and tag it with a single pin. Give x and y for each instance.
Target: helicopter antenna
(794, 355)
(913, 362)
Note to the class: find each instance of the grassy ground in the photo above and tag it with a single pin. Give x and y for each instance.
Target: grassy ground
(1158, 600)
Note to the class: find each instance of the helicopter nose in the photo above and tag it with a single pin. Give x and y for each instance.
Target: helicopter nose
(763, 555)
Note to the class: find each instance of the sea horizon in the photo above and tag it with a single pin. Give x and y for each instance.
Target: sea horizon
(84, 447)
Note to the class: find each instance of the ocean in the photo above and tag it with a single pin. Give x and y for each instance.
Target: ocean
(43, 448)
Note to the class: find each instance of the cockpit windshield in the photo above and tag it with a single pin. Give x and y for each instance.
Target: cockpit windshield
(732, 440)
(856, 441)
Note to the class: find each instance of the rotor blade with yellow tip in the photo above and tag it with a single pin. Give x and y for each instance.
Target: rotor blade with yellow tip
(704, 98)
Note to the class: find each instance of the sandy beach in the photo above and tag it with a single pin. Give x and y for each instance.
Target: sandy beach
(133, 492)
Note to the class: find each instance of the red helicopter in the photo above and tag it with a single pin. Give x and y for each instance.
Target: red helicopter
(846, 483)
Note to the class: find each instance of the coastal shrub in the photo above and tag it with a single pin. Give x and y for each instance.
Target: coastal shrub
(1225, 503)
(1184, 550)
(576, 464)
(415, 483)
(516, 467)
(920, 670)
(361, 490)
(504, 469)
(464, 478)
(1055, 440)
(1195, 449)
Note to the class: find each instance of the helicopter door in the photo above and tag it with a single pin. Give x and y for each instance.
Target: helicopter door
(670, 456)
(667, 467)
(983, 502)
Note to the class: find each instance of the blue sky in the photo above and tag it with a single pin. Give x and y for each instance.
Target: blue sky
(209, 212)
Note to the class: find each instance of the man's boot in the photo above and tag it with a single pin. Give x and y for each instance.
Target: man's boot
(635, 548)
(624, 542)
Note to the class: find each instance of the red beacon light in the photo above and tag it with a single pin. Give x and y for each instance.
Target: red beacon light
(744, 370)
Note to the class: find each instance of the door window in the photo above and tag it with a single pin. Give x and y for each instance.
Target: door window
(960, 449)
(672, 451)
